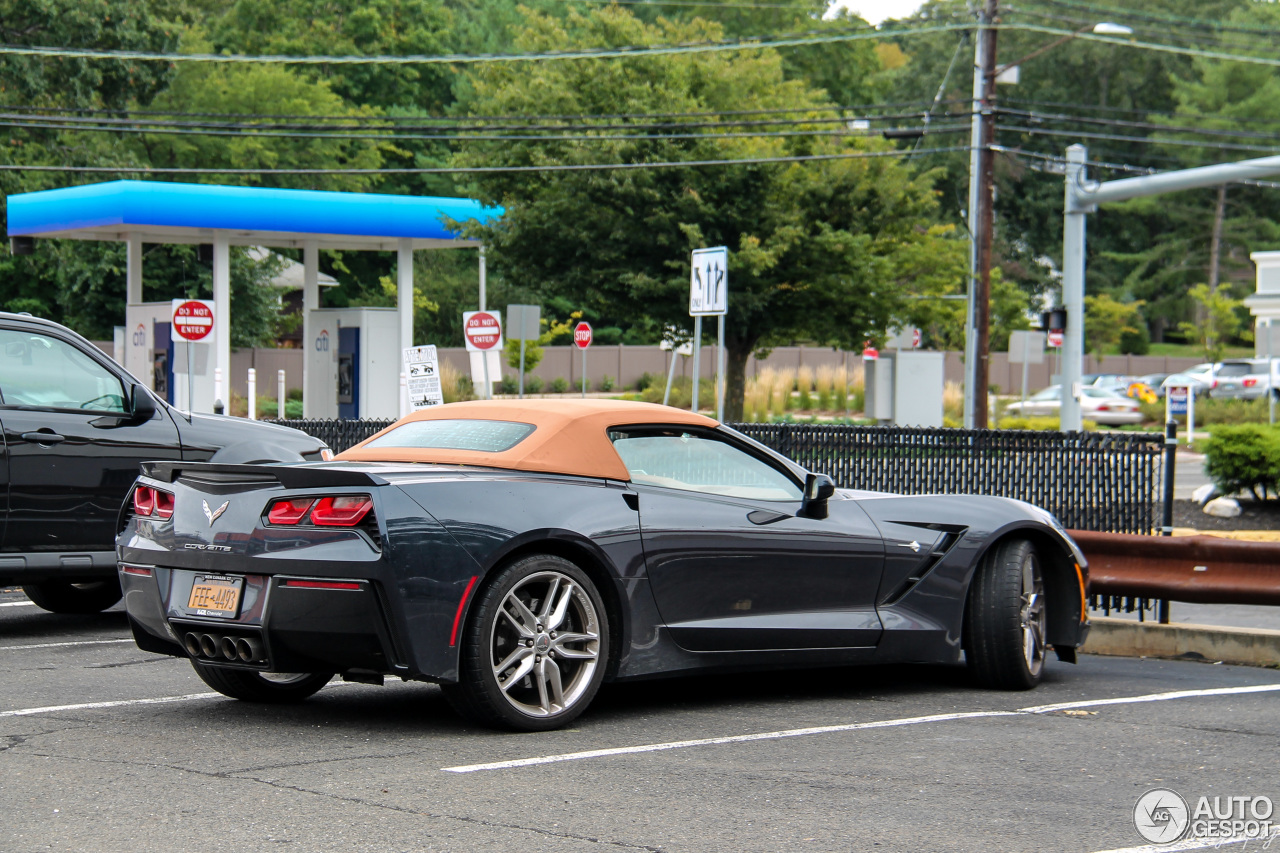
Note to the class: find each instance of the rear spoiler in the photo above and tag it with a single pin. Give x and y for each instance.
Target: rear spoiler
(296, 476)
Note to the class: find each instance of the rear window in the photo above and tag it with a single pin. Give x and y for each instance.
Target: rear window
(458, 434)
(1238, 368)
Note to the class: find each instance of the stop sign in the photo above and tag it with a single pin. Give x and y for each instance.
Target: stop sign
(192, 319)
(582, 335)
(482, 330)
(1055, 337)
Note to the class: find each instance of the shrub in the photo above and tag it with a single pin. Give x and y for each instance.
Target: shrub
(533, 384)
(607, 383)
(559, 385)
(510, 384)
(1244, 456)
(293, 394)
(646, 380)
(1135, 340)
(1039, 424)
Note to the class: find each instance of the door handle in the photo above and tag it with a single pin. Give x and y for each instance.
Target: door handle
(41, 437)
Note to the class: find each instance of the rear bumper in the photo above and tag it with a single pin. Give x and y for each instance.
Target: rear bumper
(73, 567)
(282, 624)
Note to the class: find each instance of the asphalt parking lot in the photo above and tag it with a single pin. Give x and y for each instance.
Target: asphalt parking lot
(107, 748)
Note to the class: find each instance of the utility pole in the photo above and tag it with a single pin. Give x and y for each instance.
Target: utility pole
(981, 190)
(986, 192)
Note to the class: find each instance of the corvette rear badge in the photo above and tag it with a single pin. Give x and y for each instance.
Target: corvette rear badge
(212, 514)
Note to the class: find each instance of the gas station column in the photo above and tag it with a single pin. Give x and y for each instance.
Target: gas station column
(310, 302)
(404, 290)
(133, 270)
(222, 315)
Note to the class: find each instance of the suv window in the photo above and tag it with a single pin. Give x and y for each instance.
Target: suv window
(680, 459)
(1235, 368)
(44, 372)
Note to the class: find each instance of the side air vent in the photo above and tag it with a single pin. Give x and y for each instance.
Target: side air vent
(939, 550)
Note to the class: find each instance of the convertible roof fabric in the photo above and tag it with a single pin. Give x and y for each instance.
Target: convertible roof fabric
(570, 436)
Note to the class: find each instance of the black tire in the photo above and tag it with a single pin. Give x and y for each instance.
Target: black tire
(1004, 620)
(275, 688)
(534, 649)
(64, 597)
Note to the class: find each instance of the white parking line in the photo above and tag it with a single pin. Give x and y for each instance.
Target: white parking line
(17, 604)
(62, 645)
(1195, 844)
(89, 706)
(880, 724)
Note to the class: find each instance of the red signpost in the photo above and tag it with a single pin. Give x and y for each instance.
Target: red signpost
(582, 340)
(482, 330)
(192, 320)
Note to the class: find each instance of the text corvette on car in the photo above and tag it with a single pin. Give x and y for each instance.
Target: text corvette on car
(521, 553)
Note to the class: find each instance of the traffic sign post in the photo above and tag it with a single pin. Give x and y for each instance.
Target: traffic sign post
(1028, 348)
(709, 297)
(523, 324)
(192, 321)
(582, 340)
(1181, 400)
(482, 331)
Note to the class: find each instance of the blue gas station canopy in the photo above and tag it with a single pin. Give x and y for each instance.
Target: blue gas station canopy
(162, 212)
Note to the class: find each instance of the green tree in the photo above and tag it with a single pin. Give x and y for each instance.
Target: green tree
(249, 91)
(1221, 323)
(812, 244)
(1106, 321)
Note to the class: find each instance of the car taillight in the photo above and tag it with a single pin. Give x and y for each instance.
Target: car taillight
(336, 511)
(148, 501)
(1250, 382)
(345, 511)
(1104, 408)
(289, 512)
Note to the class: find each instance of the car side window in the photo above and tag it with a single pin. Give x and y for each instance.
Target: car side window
(44, 372)
(695, 462)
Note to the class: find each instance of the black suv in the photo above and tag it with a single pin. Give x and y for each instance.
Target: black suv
(75, 427)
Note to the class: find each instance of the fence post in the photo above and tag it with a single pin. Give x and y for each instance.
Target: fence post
(1166, 524)
(280, 394)
(253, 394)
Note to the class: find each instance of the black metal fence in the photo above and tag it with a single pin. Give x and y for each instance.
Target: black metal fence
(1109, 482)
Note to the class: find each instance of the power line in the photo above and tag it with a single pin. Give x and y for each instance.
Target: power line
(889, 132)
(441, 132)
(584, 167)
(628, 51)
(817, 108)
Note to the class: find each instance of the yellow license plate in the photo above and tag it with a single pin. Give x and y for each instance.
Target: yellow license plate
(215, 596)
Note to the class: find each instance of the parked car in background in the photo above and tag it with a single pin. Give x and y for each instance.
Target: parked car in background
(1155, 381)
(1246, 378)
(1097, 404)
(76, 427)
(1199, 377)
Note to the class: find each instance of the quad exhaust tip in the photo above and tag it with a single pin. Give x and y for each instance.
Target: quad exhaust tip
(210, 647)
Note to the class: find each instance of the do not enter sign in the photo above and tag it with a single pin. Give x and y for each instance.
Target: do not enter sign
(482, 329)
(192, 319)
(582, 335)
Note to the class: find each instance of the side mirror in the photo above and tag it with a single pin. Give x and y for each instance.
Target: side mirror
(818, 489)
(144, 408)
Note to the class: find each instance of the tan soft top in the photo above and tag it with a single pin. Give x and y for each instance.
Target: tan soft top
(570, 436)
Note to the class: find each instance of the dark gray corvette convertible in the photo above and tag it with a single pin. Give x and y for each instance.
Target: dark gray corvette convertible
(519, 554)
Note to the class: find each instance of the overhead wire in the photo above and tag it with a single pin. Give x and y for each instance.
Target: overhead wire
(446, 170)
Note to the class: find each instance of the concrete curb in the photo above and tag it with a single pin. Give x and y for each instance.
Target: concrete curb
(1124, 637)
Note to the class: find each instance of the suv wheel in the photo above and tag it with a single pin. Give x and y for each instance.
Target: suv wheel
(64, 597)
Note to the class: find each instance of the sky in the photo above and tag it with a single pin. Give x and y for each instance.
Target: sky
(875, 11)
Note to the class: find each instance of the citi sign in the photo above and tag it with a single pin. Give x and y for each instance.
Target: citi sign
(322, 341)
